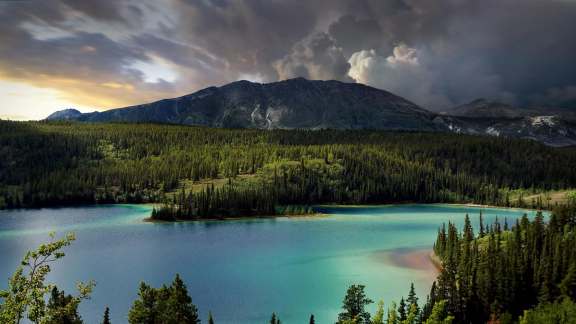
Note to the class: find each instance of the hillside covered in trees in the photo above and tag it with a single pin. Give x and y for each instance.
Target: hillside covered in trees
(506, 269)
(209, 173)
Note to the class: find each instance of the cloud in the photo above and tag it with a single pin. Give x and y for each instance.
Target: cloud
(521, 51)
(400, 73)
(314, 58)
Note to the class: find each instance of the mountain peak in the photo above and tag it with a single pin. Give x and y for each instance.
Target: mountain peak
(292, 103)
(65, 114)
(484, 108)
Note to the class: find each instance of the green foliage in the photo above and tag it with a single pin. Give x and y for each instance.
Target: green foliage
(498, 274)
(378, 318)
(392, 317)
(27, 288)
(563, 312)
(353, 304)
(166, 305)
(62, 309)
(252, 172)
(439, 314)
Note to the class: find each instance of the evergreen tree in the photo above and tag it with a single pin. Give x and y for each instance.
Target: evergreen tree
(402, 310)
(106, 319)
(379, 316)
(392, 317)
(413, 299)
(274, 319)
(180, 304)
(312, 320)
(144, 309)
(354, 304)
(62, 309)
(164, 305)
(210, 318)
(568, 283)
(439, 314)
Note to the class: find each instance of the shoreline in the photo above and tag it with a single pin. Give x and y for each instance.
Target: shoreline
(223, 219)
(420, 259)
(424, 203)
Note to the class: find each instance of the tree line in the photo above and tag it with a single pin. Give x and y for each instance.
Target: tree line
(256, 172)
(504, 269)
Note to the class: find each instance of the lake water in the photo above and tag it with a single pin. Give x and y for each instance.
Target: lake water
(241, 270)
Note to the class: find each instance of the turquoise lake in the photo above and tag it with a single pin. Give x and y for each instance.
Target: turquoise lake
(241, 270)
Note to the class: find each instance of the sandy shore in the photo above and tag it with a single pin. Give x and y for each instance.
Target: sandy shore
(417, 259)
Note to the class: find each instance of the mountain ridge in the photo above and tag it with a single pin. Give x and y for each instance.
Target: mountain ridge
(314, 104)
(288, 104)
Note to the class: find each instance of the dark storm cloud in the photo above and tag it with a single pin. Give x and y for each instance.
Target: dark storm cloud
(316, 58)
(437, 53)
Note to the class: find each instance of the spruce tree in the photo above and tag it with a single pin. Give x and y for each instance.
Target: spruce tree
(402, 310)
(413, 299)
(180, 304)
(61, 309)
(274, 319)
(568, 284)
(106, 319)
(354, 304)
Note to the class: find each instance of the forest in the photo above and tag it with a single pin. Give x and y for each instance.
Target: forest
(504, 269)
(196, 172)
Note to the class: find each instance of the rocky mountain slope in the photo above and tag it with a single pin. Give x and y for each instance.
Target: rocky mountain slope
(294, 103)
(301, 103)
(555, 127)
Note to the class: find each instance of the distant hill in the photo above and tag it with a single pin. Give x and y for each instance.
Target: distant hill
(311, 104)
(551, 126)
(66, 114)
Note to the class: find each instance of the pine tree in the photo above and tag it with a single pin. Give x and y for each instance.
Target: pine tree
(413, 299)
(568, 284)
(439, 314)
(274, 319)
(312, 321)
(61, 309)
(402, 310)
(106, 319)
(180, 304)
(353, 304)
(481, 226)
(210, 318)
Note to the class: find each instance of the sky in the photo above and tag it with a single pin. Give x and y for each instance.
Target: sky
(102, 54)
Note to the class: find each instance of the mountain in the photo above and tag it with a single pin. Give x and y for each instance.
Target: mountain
(482, 108)
(552, 130)
(66, 114)
(551, 126)
(294, 103)
(312, 104)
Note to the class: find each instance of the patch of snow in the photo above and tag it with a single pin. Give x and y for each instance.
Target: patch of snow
(492, 131)
(543, 121)
(255, 115)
